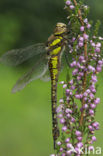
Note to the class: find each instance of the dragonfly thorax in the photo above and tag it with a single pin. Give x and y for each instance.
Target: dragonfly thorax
(57, 41)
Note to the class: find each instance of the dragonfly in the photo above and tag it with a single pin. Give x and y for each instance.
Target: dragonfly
(47, 65)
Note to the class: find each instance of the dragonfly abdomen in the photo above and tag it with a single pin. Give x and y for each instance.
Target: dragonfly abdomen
(55, 47)
(54, 67)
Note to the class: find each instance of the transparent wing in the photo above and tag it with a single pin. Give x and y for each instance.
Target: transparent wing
(37, 71)
(46, 76)
(18, 56)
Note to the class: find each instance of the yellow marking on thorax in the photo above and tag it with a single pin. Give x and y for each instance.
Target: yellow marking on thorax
(56, 50)
(56, 41)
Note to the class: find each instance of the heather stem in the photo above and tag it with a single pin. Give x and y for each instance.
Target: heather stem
(85, 55)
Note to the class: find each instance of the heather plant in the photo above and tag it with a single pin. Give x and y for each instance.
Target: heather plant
(77, 107)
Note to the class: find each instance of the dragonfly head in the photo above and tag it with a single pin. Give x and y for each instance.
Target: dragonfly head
(60, 29)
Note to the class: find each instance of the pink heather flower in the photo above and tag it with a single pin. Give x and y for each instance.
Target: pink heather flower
(58, 143)
(91, 128)
(100, 62)
(72, 87)
(77, 96)
(85, 36)
(80, 144)
(59, 109)
(91, 95)
(77, 149)
(91, 41)
(68, 98)
(69, 145)
(94, 37)
(52, 155)
(97, 101)
(98, 45)
(81, 95)
(85, 98)
(61, 149)
(94, 78)
(68, 2)
(67, 91)
(85, 20)
(93, 138)
(59, 115)
(91, 112)
(69, 152)
(62, 82)
(73, 39)
(98, 68)
(78, 78)
(72, 120)
(91, 148)
(88, 26)
(65, 85)
(81, 39)
(63, 154)
(61, 101)
(78, 64)
(93, 44)
(62, 121)
(81, 74)
(75, 71)
(91, 68)
(80, 44)
(64, 128)
(96, 125)
(82, 28)
(68, 111)
(97, 49)
(93, 106)
(88, 91)
(85, 106)
(79, 138)
(101, 38)
(68, 116)
(72, 7)
(92, 88)
(85, 94)
(67, 140)
(71, 65)
(74, 63)
(81, 58)
(70, 93)
(71, 82)
(78, 133)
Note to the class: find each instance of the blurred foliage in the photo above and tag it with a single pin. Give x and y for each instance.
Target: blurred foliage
(25, 22)
(25, 118)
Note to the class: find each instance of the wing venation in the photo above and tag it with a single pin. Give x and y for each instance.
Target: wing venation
(18, 56)
(35, 73)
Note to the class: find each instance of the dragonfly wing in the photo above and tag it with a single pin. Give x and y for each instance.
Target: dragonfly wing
(18, 56)
(46, 76)
(37, 71)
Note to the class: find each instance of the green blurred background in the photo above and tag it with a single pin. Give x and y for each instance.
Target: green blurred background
(25, 117)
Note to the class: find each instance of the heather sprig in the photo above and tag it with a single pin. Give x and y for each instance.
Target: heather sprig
(77, 107)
